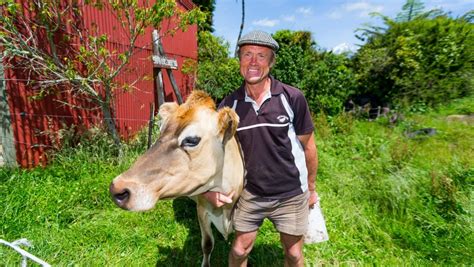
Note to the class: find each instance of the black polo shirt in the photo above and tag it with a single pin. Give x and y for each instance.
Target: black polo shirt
(274, 157)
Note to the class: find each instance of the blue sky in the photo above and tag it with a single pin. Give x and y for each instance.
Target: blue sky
(332, 22)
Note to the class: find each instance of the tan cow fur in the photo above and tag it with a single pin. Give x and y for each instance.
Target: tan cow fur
(170, 169)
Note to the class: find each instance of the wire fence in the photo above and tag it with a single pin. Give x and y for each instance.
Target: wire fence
(33, 142)
(98, 119)
(15, 245)
(116, 119)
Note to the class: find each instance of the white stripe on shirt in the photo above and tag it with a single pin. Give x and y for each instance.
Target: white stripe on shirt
(262, 125)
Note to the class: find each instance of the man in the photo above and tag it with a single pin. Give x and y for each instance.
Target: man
(276, 135)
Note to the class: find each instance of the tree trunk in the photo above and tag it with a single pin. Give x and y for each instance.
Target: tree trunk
(241, 25)
(111, 127)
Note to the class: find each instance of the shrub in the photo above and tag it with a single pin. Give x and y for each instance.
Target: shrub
(217, 73)
(423, 61)
(328, 82)
(325, 78)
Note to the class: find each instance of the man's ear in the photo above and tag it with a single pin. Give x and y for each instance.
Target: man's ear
(227, 124)
(273, 60)
(166, 109)
(272, 63)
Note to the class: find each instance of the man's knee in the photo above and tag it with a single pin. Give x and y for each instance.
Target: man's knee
(242, 245)
(294, 255)
(293, 247)
(238, 252)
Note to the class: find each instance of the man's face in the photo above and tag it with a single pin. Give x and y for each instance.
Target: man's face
(255, 63)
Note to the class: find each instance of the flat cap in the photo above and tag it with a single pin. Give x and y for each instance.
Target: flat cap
(258, 38)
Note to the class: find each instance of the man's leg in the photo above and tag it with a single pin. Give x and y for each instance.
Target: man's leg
(241, 247)
(291, 220)
(293, 247)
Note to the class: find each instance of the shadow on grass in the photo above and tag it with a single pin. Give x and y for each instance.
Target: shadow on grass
(191, 254)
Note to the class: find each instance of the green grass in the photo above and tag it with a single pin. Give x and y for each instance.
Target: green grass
(388, 200)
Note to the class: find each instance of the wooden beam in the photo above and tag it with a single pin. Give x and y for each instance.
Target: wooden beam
(7, 137)
(159, 51)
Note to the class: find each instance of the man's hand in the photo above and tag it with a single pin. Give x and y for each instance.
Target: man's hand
(218, 199)
(313, 199)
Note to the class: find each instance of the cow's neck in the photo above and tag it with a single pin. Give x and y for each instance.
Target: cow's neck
(233, 170)
(231, 176)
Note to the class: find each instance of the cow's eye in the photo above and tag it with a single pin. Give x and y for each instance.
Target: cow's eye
(190, 141)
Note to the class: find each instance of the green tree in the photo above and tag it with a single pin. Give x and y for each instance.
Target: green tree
(48, 40)
(216, 72)
(208, 7)
(296, 48)
(328, 83)
(326, 79)
(424, 60)
(410, 10)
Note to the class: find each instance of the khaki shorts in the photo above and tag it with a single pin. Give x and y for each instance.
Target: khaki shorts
(289, 216)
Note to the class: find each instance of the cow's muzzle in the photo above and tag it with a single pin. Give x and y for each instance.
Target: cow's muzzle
(120, 196)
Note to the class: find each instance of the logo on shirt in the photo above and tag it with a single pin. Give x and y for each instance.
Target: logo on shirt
(283, 119)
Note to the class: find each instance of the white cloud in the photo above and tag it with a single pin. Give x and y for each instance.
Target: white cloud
(362, 8)
(335, 15)
(266, 22)
(357, 6)
(461, 6)
(289, 18)
(344, 48)
(304, 10)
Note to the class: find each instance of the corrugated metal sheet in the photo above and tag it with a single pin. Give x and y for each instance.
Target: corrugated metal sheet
(188, 4)
(37, 123)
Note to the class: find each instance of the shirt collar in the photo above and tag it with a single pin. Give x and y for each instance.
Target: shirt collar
(249, 99)
(276, 87)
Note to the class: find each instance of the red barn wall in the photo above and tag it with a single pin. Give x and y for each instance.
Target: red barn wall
(37, 124)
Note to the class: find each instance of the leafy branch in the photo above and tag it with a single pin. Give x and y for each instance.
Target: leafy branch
(50, 43)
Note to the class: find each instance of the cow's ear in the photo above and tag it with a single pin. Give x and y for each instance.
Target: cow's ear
(228, 121)
(166, 109)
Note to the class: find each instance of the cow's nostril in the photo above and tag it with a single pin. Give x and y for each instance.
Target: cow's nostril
(122, 196)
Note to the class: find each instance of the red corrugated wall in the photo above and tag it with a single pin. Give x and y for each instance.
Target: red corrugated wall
(37, 124)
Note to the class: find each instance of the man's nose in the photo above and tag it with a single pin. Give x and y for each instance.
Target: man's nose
(253, 59)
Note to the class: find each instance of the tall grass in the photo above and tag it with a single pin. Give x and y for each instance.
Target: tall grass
(387, 199)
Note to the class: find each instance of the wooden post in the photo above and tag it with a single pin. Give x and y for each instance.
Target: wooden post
(160, 61)
(160, 89)
(7, 137)
(151, 123)
(175, 86)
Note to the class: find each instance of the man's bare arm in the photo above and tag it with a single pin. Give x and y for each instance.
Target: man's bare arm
(311, 156)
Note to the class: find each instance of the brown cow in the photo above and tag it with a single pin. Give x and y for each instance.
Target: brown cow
(196, 152)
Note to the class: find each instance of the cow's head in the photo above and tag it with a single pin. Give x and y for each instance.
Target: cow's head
(186, 158)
